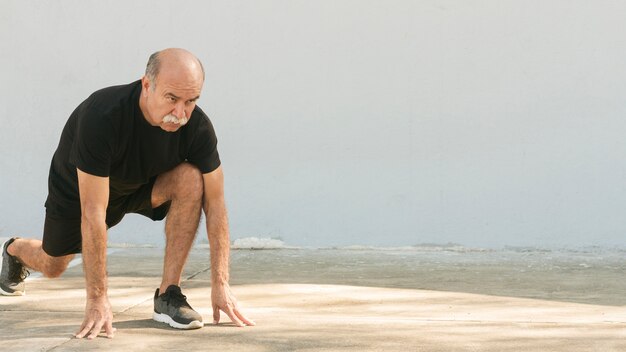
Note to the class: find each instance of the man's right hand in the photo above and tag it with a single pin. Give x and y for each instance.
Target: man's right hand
(98, 316)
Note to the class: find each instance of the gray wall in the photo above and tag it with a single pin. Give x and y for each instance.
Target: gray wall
(485, 123)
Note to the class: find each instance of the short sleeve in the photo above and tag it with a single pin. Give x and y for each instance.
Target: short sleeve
(203, 152)
(92, 148)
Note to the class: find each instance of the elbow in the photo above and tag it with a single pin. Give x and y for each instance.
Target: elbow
(213, 204)
(93, 216)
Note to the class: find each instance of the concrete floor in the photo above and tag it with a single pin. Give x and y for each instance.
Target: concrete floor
(302, 317)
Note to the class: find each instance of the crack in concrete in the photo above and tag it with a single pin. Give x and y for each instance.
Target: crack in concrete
(59, 345)
(198, 273)
(190, 277)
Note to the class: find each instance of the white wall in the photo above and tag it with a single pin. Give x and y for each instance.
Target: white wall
(485, 123)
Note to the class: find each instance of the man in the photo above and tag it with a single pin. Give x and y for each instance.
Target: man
(140, 148)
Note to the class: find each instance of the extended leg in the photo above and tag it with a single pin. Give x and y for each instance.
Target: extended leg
(18, 254)
(32, 255)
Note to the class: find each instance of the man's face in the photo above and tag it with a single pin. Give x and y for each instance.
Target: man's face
(170, 100)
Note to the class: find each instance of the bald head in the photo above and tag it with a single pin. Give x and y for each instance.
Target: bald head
(170, 88)
(174, 61)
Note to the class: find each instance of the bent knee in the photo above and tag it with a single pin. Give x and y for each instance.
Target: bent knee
(55, 266)
(188, 181)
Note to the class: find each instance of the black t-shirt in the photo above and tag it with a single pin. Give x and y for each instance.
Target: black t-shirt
(107, 135)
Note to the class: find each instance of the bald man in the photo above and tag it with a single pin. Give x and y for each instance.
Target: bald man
(145, 148)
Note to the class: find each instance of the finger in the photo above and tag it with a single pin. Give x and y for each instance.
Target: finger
(231, 314)
(85, 329)
(82, 326)
(109, 329)
(243, 318)
(216, 314)
(96, 330)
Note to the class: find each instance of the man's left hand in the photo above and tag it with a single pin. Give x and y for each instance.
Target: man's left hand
(224, 300)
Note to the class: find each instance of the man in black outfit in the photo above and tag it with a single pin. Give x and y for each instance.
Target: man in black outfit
(140, 148)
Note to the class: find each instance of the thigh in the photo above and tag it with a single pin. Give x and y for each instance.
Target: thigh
(140, 202)
(184, 179)
(61, 235)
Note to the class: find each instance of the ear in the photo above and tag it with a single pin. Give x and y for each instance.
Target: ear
(145, 85)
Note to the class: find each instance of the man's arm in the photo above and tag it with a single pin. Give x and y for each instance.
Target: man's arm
(217, 232)
(94, 197)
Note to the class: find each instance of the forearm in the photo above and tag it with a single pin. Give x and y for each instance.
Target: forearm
(94, 234)
(217, 232)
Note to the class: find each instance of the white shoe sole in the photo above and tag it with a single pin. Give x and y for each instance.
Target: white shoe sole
(164, 318)
(14, 293)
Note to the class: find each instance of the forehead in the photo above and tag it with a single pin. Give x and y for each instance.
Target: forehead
(179, 82)
(179, 92)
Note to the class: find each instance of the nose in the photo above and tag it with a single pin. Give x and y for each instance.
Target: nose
(179, 111)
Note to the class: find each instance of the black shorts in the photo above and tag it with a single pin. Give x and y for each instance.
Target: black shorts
(62, 234)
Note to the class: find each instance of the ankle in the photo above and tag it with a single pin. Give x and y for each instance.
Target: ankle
(11, 248)
(164, 287)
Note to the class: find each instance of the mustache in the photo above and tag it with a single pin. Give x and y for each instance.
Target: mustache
(173, 119)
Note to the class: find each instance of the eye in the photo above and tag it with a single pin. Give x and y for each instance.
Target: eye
(171, 99)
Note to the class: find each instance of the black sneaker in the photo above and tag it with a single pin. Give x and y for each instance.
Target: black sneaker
(172, 308)
(12, 273)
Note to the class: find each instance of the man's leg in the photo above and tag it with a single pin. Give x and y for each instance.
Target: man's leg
(61, 239)
(16, 255)
(183, 187)
(32, 255)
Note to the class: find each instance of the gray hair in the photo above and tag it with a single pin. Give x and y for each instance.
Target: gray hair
(152, 68)
(154, 65)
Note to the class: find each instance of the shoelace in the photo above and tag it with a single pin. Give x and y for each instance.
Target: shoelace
(176, 298)
(19, 272)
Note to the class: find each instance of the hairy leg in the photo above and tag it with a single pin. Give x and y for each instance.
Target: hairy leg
(31, 254)
(184, 188)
